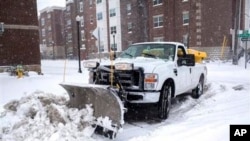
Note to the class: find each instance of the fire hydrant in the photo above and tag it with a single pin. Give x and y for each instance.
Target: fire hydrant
(19, 71)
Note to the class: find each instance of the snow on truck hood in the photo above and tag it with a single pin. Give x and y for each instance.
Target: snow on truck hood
(149, 64)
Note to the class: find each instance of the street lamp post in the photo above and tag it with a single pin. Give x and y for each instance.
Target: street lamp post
(78, 18)
(53, 49)
(114, 47)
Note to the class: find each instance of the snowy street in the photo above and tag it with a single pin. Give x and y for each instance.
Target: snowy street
(225, 102)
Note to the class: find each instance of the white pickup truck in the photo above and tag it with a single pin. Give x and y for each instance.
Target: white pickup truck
(151, 72)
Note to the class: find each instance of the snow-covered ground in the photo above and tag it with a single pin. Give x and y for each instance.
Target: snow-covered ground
(36, 108)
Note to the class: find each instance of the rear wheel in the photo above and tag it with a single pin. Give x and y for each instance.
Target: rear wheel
(198, 91)
(164, 104)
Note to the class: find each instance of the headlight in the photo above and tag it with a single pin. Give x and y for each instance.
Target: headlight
(150, 81)
(124, 66)
(90, 64)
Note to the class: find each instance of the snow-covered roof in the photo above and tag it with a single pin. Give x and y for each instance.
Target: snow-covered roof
(49, 9)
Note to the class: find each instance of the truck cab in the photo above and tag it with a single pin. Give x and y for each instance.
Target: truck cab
(152, 72)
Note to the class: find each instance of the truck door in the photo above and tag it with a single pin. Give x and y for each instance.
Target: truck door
(183, 72)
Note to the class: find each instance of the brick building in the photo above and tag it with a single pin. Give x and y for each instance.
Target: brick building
(51, 27)
(199, 24)
(19, 41)
(86, 10)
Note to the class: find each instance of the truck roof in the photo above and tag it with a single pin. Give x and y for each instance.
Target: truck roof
(176, 43)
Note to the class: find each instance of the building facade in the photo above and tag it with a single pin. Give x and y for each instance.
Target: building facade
(198, 24)
(51, 27)
(202, 25)
(86, 10)
(19, 39)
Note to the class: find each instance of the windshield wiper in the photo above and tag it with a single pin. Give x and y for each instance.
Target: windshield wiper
(128, 54)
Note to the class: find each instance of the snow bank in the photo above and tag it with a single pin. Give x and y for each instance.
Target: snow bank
(43, 116)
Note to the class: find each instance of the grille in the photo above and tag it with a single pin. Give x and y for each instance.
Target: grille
(128, 79)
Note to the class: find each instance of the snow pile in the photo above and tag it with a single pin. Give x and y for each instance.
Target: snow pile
(43, 116)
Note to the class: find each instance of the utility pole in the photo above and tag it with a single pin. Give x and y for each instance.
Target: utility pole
(108, 27)
(237, 27)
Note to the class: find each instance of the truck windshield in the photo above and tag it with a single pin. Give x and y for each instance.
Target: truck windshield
(161, 51)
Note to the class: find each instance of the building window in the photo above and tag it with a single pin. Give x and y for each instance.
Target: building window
(112, 12)
(90, 3)
(81, 6)
(83, 35)
(185, 39)
(130, 27)
(68, 22)
(69, 37)
(91, 19)
(158, 39)
(158, 21)
(49, 28)
(48, 15)
(130, 42)
(129, 8)
(98, 1)
(157, 2)
(42, 21)
(44, 41)
(114, 47)
(185, 16)
(113, 29)
(99, 16)
(43, 32)
(68, 8)
(82, 21)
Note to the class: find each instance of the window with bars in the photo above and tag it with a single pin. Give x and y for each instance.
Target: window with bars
(112, 12)
(158, 21)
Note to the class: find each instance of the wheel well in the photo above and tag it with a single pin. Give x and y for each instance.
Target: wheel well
(202, 76)
(171, 81)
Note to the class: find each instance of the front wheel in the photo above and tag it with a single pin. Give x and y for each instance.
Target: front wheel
(198, 91)
(164, 104)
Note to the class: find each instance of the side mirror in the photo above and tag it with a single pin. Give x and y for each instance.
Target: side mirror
(188, 60)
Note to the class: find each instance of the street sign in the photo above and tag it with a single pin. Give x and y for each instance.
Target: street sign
(245, 39)
(245, 34)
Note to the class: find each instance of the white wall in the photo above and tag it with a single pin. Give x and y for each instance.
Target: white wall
(113, 21)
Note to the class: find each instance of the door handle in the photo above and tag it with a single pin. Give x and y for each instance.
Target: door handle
(175, 72)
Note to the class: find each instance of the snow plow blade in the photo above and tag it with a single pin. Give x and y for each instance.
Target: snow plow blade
(105, 102)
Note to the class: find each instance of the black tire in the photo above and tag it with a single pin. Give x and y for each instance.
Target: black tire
(198, 91)
(110, 134)
(164, 104)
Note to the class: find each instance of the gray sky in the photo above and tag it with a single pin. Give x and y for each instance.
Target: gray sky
(45, 3)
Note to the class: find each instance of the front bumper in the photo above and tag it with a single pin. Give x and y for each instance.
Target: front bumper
(143, 97)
